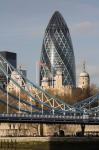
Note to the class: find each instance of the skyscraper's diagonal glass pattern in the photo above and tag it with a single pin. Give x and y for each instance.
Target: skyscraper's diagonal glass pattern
(57, 51)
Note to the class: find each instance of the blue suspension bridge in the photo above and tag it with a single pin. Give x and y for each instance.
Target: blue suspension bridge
(32, 104)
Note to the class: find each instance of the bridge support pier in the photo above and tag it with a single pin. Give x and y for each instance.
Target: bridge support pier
(82, 129)
(41, 129)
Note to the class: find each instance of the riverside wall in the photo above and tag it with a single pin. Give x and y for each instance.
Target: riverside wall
(7, 129)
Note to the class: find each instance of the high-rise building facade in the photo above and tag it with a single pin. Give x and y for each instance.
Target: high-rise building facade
(12, 59)
(57, 52)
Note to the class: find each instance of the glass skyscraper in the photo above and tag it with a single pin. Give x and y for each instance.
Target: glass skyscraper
(57, 52)
(12, 59)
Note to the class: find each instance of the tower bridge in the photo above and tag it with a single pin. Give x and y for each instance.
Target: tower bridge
(31, 104)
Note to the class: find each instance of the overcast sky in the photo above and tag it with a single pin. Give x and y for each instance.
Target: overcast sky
(23, 22)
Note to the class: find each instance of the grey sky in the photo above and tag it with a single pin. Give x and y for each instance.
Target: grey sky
(23, 22)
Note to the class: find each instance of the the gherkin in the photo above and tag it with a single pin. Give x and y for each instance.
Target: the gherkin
(57, 52)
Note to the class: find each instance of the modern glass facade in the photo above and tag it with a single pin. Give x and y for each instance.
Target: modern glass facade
(12, 59)
(57, 52)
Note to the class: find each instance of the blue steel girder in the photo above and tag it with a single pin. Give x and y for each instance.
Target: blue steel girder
(22, 89)
(22, 101)
(37, 94)
(94, 110)
(13, 107)
(87, 101)
(86, 105)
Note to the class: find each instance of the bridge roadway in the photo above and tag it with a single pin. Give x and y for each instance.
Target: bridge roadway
(49, 119)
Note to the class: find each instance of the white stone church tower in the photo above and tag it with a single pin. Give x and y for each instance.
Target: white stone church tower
(84, 80)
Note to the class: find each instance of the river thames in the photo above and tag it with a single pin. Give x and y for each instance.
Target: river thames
(49, 143)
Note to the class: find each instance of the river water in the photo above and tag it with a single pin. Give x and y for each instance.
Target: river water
(90, 145)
